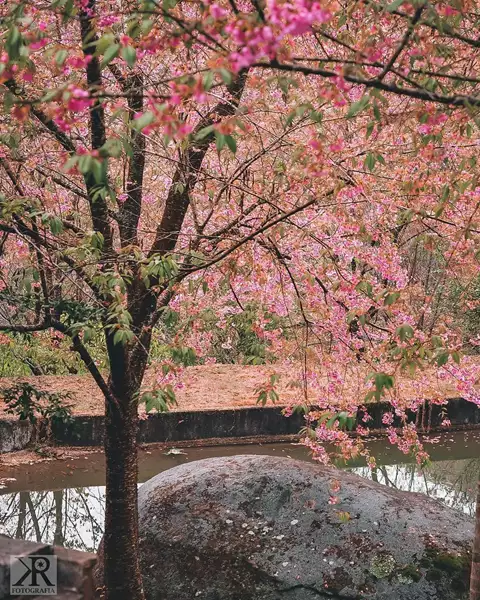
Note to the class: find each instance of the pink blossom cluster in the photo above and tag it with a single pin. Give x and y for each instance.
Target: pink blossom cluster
(297, 17)
(283, 19)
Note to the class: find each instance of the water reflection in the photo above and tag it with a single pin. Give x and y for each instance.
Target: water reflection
(451, 482)
(73, 516)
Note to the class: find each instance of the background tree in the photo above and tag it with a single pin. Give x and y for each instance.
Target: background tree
(315, 158)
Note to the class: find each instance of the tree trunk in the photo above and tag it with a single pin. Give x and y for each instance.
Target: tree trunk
(121, 568)
(475, 574)
(22, 511)
(58, 538)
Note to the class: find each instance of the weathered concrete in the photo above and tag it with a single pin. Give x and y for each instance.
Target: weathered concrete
(249, 422)
(15, 435)
(259, 422)
(256, 527)
(186, 426)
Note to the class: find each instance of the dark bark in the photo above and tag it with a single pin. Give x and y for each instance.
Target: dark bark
(475, 574)
(98, 205)
(22, 512)
(33, 514)
(130, 211)
(178, 198)
(143, 302)
(58, 538)
(121, 569)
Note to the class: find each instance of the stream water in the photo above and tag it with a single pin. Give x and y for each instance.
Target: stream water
(62, 501)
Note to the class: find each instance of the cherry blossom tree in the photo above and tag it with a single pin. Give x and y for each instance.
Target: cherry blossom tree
(316, 159)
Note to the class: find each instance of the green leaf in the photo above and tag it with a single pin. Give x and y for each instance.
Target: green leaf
(370, 161)
(262, 398)
(98, 192)
(118, 336)
(219, 140)
(56, 225)
(226, 76)
(51, 95)
(110, 53)
(13, 43)
(129, 55)
(8, 101)
(61, 57)
(331, 422)
(358, 106)
(97, 170)
(382, 382)
(273, 396)
(365, 287)
(391, 298)
(87, 334)
(394, 5)
(442, 359)
(207, 80)
(97, 240)
(204, 132)
(144, 121)
(104, 42)
(133, 28)
(71, 162)
(85, 163)
(112, 147)
(351, 422)
(122, 336)
(405, 332)
(231, 143)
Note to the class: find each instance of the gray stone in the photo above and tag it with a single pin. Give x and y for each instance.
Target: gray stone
(75, 570)
(10, 547)
(258, 527)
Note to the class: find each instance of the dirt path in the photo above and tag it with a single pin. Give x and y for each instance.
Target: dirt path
(228, 386)
(209, 387)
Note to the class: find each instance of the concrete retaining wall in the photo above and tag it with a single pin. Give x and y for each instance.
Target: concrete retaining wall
(185, 426)
(221, 424)
(15, 435)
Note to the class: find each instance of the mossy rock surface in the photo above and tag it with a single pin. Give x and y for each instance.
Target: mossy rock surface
(262, 528)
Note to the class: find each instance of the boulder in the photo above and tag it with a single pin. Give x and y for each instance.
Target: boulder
(258, 527)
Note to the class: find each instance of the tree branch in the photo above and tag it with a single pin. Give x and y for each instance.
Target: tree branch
(186, 175)
(129, 213)
(254, 234)
(403, 43)
(98, 206)
(419, 94)
(84, 354)
(57, 133)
